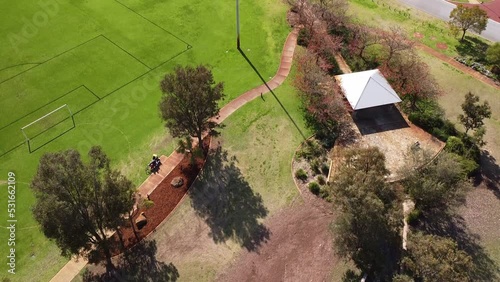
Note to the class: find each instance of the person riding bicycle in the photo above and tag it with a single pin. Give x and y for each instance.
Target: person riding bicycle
(155, 164)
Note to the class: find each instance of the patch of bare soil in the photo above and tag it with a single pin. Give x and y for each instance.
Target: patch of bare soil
(441, 46)
(300, 248)
(418, 35)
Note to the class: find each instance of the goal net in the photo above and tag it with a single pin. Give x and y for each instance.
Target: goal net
(45, 127)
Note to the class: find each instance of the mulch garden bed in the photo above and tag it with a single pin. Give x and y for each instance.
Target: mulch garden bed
(165, 198)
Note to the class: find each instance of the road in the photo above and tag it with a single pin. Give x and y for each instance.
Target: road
(442, 9)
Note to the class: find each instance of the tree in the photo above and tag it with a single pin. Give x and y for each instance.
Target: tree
(362, 38)
(434, 185)
(493, 54)
(190, 101)
(410, 77)
(464, 18)
(333, 12)
(367, 229)
(434, 258)
(474, 112)
(395, 41)
(77, 204)
(321, 100)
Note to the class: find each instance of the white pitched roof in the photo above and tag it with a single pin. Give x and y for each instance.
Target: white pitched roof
(367, 89)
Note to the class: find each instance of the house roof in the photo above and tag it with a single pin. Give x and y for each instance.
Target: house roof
(367, 89)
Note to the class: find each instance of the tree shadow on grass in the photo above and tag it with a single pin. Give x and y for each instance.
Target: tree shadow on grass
(138, 264)
(451, 225)
(227, 203)
(271, 91)
(490, 173)
(472, 47)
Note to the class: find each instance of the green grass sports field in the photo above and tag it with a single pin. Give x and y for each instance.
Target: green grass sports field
(104, 60)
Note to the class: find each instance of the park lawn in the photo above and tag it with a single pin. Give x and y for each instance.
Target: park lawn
(126, 77)
(260, 139)
(455, 85)
(390, 13)
(453, 82)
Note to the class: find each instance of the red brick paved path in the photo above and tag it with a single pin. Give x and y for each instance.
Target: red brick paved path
(72, 268)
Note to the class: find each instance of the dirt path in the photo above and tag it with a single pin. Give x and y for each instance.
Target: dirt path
(342, 64)
(300, 248)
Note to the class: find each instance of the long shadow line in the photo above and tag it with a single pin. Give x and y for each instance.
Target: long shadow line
(50, 59)
(88, 89)
(93, 93)
(146, 73)
(49, 141)
(44, 105)
(13, 66)
(153, 23)
(38, 134)
(272, 92)
(126, 51)
(12, 149)
(89, 105)
(188, 47)
(50, 127)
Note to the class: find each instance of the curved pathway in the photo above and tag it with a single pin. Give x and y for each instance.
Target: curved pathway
(449, 60)
(73, 267)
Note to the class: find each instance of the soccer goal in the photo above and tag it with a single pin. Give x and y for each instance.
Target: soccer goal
(47, 123)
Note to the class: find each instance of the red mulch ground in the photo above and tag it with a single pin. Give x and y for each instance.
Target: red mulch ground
(165, 198)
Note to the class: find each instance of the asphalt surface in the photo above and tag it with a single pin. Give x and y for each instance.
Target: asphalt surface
(441, 9)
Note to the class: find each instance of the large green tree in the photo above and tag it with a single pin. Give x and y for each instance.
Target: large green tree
(78, 204)
(190, 101)
(463, 18)
(367, 230)
(474, 112)
(434, 258)
(493, 54)
(434, 185)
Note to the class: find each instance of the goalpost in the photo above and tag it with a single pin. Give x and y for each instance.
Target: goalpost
(46, 122)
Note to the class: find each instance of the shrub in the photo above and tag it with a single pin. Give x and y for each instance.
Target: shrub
(472, 150)
(324, 194)
(304, 37)
(325, 169)
(455, 145)
(413, 216)
(321, 180)
(430, 117)
(316, 166)
(301, 174)
(469, 167)
(334, 69)
(311, 149)
(314, 188)
(147, 204)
